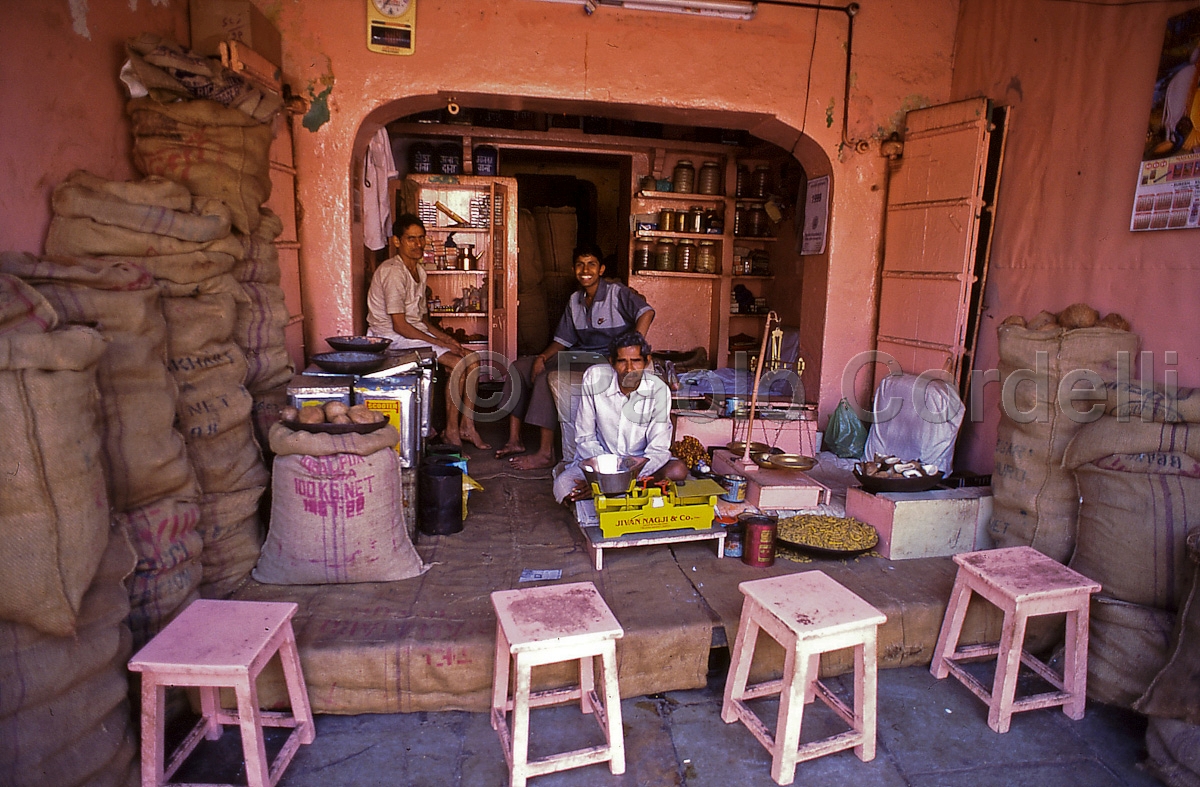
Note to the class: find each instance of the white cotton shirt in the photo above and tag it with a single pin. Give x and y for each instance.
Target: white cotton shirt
(378, 168)
(608, 422)
(394, 291)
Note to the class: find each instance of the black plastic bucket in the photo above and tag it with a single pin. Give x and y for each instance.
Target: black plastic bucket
(439, 499)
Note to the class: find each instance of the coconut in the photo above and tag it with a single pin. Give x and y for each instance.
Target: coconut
(1078, 315)
(1042, 321)
(1014, 319)
(1114, 321)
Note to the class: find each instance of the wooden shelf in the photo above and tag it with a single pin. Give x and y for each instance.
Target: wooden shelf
(454, 273)
(715, 199)
(766, 238)
(678, 274)
(694, 235)
(741, 314)
(759, 276)
(458, 314)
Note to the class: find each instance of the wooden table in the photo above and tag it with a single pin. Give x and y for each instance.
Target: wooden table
(585, 515)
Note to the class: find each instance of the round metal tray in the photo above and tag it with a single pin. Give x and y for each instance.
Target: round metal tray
(873, 484)
(336, 428)
(349, 362)
(791, 462)
(365, 344)
(797, 541)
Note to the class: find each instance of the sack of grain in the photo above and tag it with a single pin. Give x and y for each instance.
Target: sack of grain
(1036, 502)
(1127, 646)
(1175, 691)
(337, 513)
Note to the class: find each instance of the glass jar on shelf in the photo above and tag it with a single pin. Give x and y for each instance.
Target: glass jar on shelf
(683, 178)
(666, 220)
(685, 256)
(706, 257)
(664, 255)
(709, 181)
(756, 222)
(695, 221)
(742, 187)
(643, 255)
(760, 182)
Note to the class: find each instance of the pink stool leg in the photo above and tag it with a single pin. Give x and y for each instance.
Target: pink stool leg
(210, 706)
(1008, 664)
(520, 723)
(1075, 660)
(743, 653)
(289, 657)
(153, 746)
(587, 683)
(956, 613)
(612, 708)
(791, 713)
(500, 679)
(253, 745)
(866, 673)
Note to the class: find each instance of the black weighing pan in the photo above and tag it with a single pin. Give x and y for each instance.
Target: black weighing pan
(336, 428)
(875, 484)
(349, 362)
(365, 344)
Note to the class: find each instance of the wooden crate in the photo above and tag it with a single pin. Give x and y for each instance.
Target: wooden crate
(773, 489)
(925, 524)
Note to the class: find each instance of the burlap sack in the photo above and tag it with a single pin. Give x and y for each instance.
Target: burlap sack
(1127, 646)
(1175, 690)
(1153, 402)
(1114, 435)
(192, 268)
(84, 237)
(150, 191)
(81, 195)
(143, 455)
(1174, 752)
(217, 152)
(1135, 514)
(259, 332)
(22, 309)
(268, 407)
(232, 531)
(64, 716)
(1035, 501)
(53, 500)
(260, 260)
(337, 517)
(168, 571)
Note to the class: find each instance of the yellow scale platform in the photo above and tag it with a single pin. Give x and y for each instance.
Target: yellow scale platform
(689, 506)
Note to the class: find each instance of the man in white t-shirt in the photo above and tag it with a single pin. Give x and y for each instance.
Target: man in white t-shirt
(623, 411)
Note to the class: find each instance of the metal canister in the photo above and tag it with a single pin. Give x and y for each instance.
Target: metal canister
(758, 543)
(735, 488)
(666, 220)
(733, 540)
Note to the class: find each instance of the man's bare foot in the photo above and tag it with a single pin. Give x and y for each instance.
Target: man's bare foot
(474, 439)
(532, 461)
(508, 449)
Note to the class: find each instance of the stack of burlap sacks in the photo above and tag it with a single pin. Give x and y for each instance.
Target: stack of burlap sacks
(1113, 490)
(126, 354)
(64, 640)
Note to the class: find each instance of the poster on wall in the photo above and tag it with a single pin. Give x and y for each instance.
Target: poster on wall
(1168, 187)
(816, 216)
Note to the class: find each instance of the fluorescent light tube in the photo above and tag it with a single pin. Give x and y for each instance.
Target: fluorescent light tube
(727, 9)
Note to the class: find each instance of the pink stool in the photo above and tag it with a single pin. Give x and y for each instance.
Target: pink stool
(1023, 583)
(215, 644)
(546, 625)
(808, 614)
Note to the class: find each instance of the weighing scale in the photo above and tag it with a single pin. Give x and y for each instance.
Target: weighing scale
(655, 507)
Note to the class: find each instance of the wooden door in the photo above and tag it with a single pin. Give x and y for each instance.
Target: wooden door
(934, 259)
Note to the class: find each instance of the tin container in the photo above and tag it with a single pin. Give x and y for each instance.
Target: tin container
(399, 398)
(319, 389)
(733, 540)
(735, 488)
(758, 543)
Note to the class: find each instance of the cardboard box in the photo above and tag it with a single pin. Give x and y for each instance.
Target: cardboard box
(214, 21)
(925, 524)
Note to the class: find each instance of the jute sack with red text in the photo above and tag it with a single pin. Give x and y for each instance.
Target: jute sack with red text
(336, 514)
(1035, 501)
(217, 152)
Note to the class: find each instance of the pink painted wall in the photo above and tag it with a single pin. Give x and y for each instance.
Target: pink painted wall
(64, 108)
(787, 62)
(1079, 79)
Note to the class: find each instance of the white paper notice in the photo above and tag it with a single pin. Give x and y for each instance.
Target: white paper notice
(816, 216)
(540, 574)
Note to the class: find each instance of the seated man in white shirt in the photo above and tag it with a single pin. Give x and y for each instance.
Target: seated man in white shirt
(623, 411)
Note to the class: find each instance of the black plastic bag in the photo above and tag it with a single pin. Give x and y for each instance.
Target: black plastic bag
(845, 435)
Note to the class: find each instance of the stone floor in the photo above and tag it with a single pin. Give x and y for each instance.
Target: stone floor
(931, 733)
